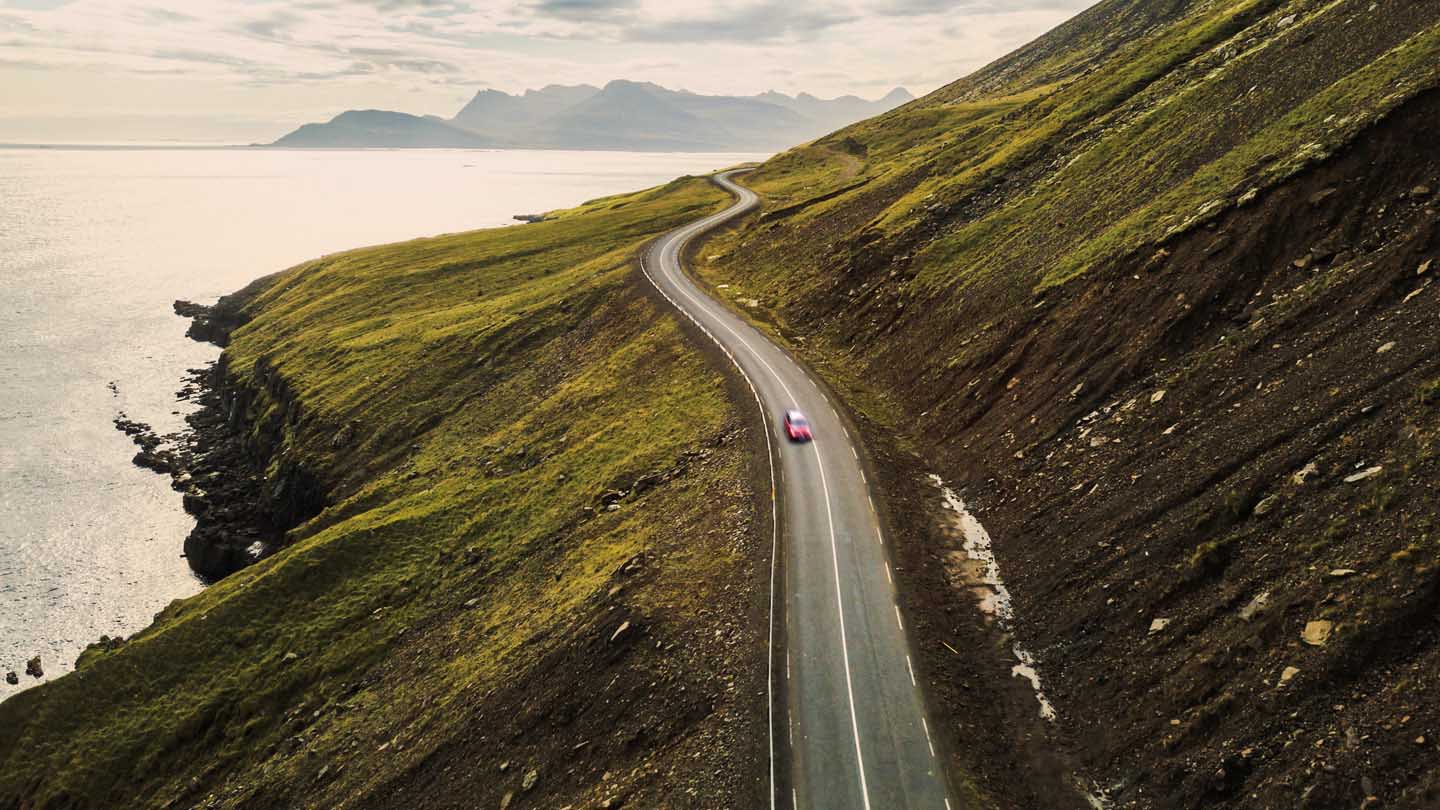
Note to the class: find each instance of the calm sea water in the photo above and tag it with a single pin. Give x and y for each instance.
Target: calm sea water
(95, 245)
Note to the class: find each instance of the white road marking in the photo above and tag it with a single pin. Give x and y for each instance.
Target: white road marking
(928, 741)
(844, 644)
(668, 250)
(680, 239)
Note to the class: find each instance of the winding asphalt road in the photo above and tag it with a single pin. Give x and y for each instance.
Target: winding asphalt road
(854, 721)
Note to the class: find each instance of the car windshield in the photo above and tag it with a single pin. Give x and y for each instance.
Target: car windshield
(798, 420)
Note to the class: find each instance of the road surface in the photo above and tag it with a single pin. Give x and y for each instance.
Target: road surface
(854, 721)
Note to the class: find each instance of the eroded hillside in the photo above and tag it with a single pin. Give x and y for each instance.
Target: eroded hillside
(535, 575)
(1156, 294)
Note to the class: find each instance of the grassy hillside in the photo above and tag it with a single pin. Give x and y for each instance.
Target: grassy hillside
(472, 616)
(1152, 291)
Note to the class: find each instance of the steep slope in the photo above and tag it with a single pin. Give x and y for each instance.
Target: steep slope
(365, 128)
(535, 577)
(1155, 295)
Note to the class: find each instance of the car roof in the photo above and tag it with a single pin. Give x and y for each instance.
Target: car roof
(794, 415)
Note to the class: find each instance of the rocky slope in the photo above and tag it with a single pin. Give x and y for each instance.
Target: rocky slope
(1156, 296)
(529, 576)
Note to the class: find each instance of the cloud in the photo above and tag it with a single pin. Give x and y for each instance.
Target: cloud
(754, 23)
(585, 10)
(960, 8)
(297, 56)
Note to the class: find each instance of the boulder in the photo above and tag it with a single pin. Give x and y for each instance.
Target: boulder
(528, 781)
(11, 678)
(1317, 633)
(195, 502)
(1158, 626)
(1364, 475)
(33, 668)
(153, 461)
(1256, 605)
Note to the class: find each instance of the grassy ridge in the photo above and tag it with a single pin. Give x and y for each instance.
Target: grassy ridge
(1149, 293)
(466, 398)
(1028, 182)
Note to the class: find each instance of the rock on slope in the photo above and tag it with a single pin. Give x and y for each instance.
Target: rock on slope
(1158, 294)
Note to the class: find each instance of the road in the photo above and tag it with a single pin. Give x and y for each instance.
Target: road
(853, 719)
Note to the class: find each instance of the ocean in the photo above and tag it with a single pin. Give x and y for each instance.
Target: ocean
(95, 246)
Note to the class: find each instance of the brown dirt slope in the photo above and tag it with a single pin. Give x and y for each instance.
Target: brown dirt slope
(1169, 321)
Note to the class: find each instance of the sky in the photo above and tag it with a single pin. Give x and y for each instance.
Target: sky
(114, 71)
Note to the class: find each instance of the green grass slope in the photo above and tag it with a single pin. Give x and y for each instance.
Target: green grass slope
(467, 600)
(1123, 288)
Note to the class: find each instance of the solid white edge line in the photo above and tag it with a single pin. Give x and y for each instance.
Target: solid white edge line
(673, 243)
(682, 237)
(844, 643)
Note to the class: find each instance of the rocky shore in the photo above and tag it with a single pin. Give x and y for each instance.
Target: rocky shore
(219, 463)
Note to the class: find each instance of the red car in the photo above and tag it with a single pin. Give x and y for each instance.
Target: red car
(797, 429)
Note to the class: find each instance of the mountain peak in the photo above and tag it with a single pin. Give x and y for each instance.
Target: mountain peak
(898, 96)
(624, 114)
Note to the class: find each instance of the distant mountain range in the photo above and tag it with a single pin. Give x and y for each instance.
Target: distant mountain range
(623, 115)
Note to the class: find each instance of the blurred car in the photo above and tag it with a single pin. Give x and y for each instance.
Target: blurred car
(797, 427)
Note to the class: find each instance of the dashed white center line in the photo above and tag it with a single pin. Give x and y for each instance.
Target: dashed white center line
(910, 667)
(900, 622)
(888, 578)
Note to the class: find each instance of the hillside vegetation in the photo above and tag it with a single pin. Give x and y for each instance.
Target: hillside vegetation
(1156, 293)
(535, 576)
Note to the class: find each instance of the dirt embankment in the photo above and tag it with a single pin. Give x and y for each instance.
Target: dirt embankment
(1210, 474)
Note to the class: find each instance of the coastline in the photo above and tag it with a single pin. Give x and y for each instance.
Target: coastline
(219, 462)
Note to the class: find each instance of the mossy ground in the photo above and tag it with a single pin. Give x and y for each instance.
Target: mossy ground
(1227, 204)
(465, 398)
